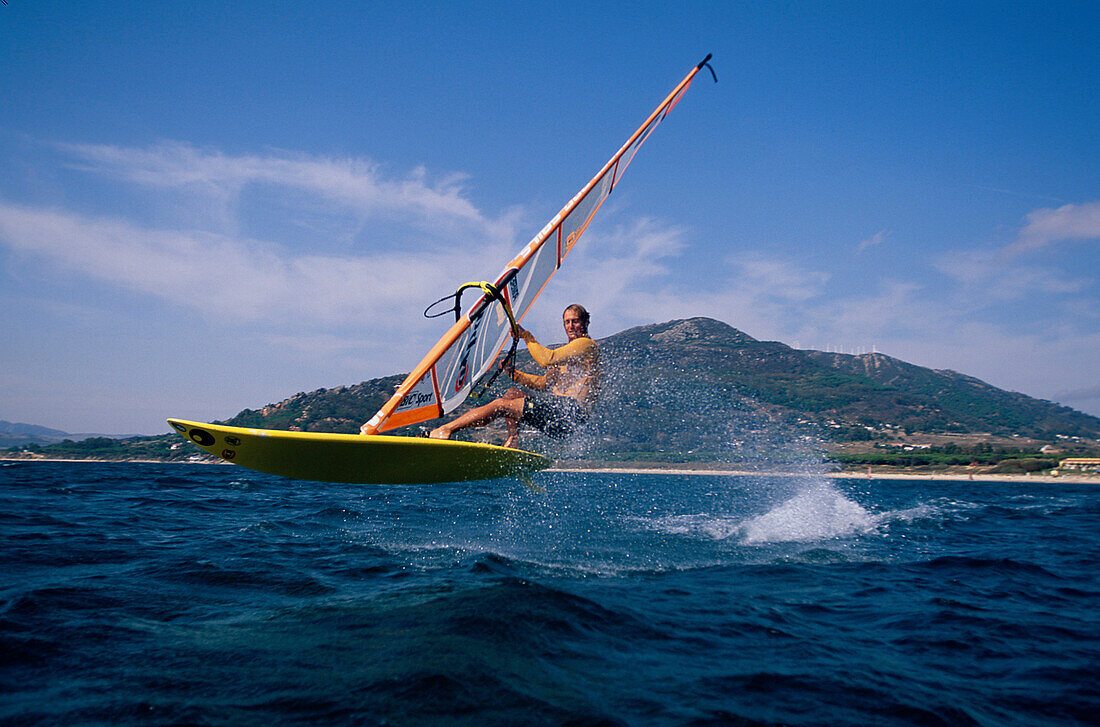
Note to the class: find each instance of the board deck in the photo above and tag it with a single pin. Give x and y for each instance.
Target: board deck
(355, 458)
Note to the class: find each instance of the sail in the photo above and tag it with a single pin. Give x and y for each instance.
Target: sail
(446, 375)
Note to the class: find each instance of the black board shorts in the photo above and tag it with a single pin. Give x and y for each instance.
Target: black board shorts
(558, 416)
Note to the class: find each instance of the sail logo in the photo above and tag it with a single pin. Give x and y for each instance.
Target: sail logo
(416, 399)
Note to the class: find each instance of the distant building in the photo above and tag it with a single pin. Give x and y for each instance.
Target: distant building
(1080, 464)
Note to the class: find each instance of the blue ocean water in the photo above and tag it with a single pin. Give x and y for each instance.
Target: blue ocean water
(186, 594)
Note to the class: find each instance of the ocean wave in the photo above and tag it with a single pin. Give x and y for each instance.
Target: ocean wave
(606, 600)
(261, 576)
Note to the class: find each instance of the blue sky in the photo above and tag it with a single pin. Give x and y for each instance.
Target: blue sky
(211, 206)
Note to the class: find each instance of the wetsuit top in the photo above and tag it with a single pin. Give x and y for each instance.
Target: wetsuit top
(573, 370)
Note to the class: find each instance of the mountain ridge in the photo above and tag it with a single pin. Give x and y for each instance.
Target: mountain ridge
(18, 434)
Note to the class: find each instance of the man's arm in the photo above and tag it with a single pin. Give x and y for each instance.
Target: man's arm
(548, 357)
(531, 381)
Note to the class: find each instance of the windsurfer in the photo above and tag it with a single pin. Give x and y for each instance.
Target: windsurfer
(572, 378)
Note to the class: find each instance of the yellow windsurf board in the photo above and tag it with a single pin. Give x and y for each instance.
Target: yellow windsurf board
(354, 458)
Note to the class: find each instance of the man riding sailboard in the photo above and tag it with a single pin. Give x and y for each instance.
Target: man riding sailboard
(561, 400)
(572, 379)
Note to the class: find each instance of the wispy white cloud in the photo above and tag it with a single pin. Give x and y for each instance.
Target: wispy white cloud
(772, 278)
(243, 278)
(634, 275)
(1068, 222)
(876, 239)
(994, 278)
(222, 275)
(986, 278)
(626, 258)
(1013, 193)
(354, 186)
(227, 269)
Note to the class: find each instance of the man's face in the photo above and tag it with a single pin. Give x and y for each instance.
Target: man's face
(574, 328)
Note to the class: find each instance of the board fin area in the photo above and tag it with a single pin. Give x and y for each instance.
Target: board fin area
(353, 458)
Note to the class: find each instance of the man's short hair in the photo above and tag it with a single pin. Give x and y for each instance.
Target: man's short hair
(581, 312)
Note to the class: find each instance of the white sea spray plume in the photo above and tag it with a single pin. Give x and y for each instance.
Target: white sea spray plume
(818, 512)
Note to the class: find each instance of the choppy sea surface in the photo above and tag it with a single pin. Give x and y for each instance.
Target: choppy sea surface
(184, 594)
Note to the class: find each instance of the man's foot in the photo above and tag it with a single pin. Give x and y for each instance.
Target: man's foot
(511, 441)
(440, 433)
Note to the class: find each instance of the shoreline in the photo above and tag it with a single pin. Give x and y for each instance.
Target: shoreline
(862, 474)
(845, 475)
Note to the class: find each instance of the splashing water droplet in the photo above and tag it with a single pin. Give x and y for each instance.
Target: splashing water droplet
(819, 512)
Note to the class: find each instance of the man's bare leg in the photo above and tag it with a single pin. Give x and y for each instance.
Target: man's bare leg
(512, 422)
(513, 432)
(509, 406)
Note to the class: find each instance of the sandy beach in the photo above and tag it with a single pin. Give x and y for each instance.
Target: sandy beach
(845, 475)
